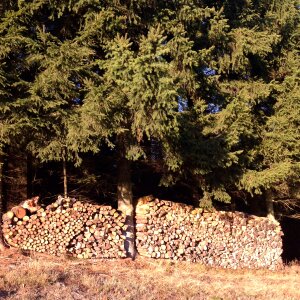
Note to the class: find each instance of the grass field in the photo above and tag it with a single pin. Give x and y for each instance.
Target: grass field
(43, 277)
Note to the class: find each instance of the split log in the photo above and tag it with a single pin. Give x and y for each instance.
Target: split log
(19, 212)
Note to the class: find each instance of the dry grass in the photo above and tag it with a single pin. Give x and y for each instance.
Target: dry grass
(42, 277)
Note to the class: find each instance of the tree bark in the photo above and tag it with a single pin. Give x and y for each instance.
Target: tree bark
(257, 206)
(2, 204)
(125, 199)
(15, 175)
(65, 177)
(29, 176)
(269, 204)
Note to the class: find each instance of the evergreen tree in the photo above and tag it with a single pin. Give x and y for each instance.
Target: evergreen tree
(145, 65)
(51, 64)
(4, 127)
(214, 83)
(240, 90)
(54, 96)
(276, 172)
(135, 97)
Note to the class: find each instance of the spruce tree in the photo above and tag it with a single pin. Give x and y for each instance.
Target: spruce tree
(4, 140)
(214, 83)
(276, 172)
(147, 60)
(221, 60)
(51, 63)
(54, 96)
(239, 91)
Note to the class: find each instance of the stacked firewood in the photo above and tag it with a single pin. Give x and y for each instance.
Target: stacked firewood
(225, 239)
(102, 237)
(163, 230)
(69, 227)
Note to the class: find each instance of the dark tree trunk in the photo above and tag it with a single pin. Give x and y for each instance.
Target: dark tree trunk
(270, 205)
(257, 206)
(125, 199)
(29, 176)
(2, 200)
(124, 186)
(2, 204)
(15, 176)
(2, 8)
(65, 177)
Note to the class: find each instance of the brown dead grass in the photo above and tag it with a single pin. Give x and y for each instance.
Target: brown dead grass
(44, 277)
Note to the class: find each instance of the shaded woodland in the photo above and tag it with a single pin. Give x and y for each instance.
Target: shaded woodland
(192, 101)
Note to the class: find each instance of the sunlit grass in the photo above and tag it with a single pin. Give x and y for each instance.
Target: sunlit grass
(42, 277)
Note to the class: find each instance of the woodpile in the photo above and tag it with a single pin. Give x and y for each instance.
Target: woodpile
(164, 229)
(69, 227)
(225, 239)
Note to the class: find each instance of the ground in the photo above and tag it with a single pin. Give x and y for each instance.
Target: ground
(38, 276)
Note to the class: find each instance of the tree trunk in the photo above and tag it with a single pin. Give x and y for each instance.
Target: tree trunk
(65, 177)
(2, 8)
(2, 204)
(29, 176)
(125, 200)
(269, 204)
(257, 206)
(15, 175)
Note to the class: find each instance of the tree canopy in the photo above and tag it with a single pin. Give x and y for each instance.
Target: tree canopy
(214, 84)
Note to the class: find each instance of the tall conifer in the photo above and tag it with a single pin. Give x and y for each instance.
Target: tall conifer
(214, 83)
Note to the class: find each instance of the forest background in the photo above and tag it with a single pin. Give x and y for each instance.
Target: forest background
(191, 100)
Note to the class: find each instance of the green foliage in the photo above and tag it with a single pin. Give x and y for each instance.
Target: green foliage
(78, 75)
